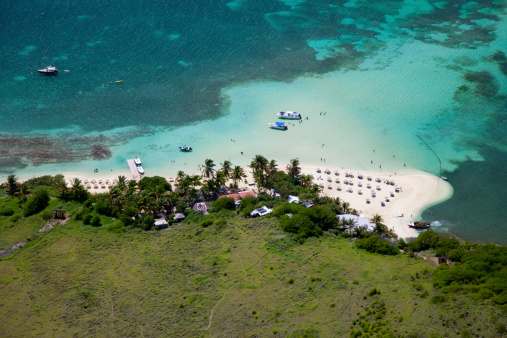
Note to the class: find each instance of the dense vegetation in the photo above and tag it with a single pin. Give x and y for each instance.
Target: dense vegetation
(295, 272)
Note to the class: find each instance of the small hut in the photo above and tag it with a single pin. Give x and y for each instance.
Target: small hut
(179, 216)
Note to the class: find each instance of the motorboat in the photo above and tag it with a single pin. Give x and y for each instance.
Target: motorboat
(419, 225)
(137, 160)
(292, 115)
(278, 125)
(140, 170)
(185, 148)
(48, 70)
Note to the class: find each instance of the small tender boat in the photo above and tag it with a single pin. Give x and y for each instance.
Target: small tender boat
(185, 148)
(292, 115)
(419, 225)
(140, 170)
(48, 70)
(137, 160)
(278, 125)
(444, 178)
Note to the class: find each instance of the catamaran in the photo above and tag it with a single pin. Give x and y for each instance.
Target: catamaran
(278, 125)
(291, 115)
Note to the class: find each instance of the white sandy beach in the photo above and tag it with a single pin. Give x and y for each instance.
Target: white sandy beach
(418, 191)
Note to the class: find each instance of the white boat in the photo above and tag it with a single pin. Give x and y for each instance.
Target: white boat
(291, 115)
(48, 70)
(137, 160)
(140, 170)
(278, 125)
(185, 148)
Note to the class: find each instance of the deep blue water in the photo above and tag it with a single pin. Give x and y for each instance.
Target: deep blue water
(174, 57)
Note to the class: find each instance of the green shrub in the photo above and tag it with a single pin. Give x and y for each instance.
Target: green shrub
(248, 201)
(223, 203)
(46, 215)
(117, 227)
(6, 212)
(221, 222)
(466, 333)
(500, 327)
(36, 202)
(14, 218)
(438, 299)
(376, 245)
(87, 219)
(104, 206)
(95, 221)
(206, 223)
(374, 292)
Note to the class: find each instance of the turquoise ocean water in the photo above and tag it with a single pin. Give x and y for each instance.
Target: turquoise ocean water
(428, 78)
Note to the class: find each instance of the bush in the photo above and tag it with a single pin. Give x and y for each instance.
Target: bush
(155, 183)
(104, 206)
(500, 327)
(248, 201)
(206, 223)
(438, 299)
(37, 202)
(117, 227)
(95, 221)
(376, 245)
(78, 215)
(223, 203)
(6, 212)
(46, 215)
(87, 218)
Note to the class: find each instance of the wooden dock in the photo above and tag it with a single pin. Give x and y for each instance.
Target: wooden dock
(133, 169)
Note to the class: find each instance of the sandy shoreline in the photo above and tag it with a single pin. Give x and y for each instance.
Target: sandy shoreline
(418, 191)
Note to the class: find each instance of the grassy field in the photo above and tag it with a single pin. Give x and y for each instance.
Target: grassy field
(241, 279)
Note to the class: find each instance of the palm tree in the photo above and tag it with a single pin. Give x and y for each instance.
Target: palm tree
(12, 184)
(259, 164)
(306, 180)
(272, 167)
(77, 190)
(208, 168)
(377, 218)
(294, 168)
(62, 190)
(220, 180)
(195, 180)
(346, 206)
(227, 168)
(180, 175)
(237, 174)
(122, 182)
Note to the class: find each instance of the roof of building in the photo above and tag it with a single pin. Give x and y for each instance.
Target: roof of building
(179, 215)
(201, 206)
(293, 199)
(240, 195)
(361, 221)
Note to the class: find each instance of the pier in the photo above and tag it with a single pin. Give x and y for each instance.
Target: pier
(133, 169)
